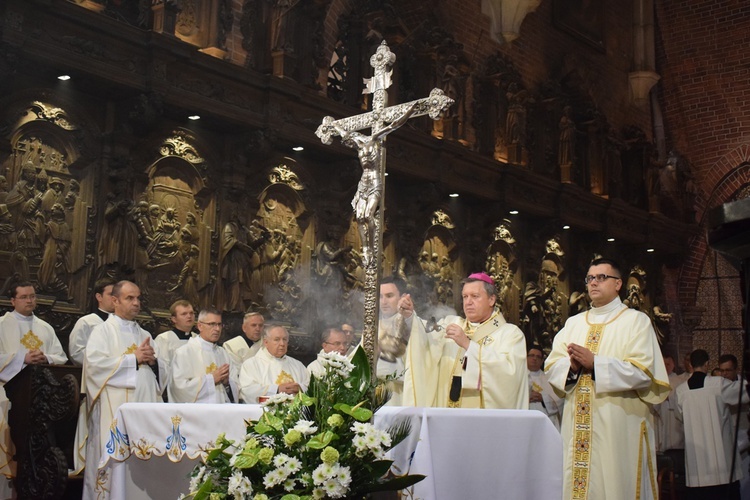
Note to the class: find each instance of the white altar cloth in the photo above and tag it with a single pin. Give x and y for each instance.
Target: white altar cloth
(476, 454)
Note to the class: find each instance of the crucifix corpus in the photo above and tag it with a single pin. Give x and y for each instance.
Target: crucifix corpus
(368, 200)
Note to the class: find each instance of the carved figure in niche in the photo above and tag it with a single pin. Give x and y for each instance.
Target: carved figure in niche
(636, 299)
(285, 298)
(330, 260)
(258, 235)
(54, 194)
(191, 227)
(445, 282)
(288, 250)
(23, 198)
(3, 189)
(188, 279)
(269, 254)
(235, 258)
(8, 238)
(119, 239)
(500, 253)
(354, 278)
(578, 302)
(142, 223)
(453, 83)
(541, 316)
(515, 119)
(566, 149)
(166, 238)
(42, 180)
(55, 266)
(369, 190)
(614, 146)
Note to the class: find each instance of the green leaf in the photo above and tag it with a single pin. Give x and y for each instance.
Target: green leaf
(380, 468)
(320, 441)
(262, 428)
(398, 483)
(356, 412)
(306, 400)
(274, 421)
(246, 460)
(360, 375)
(214, 454)
(290, 496)
(205, 490)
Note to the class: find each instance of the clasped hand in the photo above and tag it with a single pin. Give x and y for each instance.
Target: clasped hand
(221, 375)
(145, 354)
(580, 357)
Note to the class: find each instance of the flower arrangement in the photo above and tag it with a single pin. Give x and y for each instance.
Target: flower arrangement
(316, 445)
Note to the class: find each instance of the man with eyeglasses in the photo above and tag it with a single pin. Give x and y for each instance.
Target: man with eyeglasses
(201, 370)
(271, 371)
(332, 339)
(541, 395)
(182, 315)
(607, 363)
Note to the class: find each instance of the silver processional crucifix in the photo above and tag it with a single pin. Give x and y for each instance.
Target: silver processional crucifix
(368, 201)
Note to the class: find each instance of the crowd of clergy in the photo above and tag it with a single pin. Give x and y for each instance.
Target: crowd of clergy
(604, 385)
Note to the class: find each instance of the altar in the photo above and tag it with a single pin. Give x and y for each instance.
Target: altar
(464, 453)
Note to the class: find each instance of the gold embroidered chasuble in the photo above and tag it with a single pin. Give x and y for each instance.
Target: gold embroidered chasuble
(191, 379)
(263, 373)
(607, 427)
(495, 374)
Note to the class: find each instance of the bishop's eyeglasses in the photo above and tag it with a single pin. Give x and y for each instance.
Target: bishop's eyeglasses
(599, 278)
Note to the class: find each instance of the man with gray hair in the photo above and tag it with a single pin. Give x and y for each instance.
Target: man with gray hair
(332, 339)
(247, 344)
(473, 362)
(201, 370)
(271, 371)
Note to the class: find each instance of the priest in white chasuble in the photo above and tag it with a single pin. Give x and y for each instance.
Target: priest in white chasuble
(24, 340)
(396, 325)
(121, 365)
(332, 339)
(248, 343)
(271, 371)
(473, 362)
(77, 341)
(201, 370)
(182, 316)
(542, 396)
(607, 363)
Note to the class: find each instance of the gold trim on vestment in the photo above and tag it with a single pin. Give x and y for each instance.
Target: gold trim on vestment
(582, 430)
(644, 436)
(648, 372)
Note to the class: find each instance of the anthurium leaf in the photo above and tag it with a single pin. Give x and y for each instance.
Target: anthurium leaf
(290, 497)
(320, 441)
(360, 375)
(205, 490)
(263, 428)
(398, 483)
(305, 399)
(356, 412)
(245, 460)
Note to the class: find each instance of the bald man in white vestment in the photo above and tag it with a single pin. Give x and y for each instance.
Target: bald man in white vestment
(248, 343)
(271, 371)
(121, 365)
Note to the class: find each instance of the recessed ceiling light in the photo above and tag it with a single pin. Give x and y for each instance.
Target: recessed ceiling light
(63, 77)
(194, 117)
(386, 174)
(650, 250)
(298, 148)
(566, 226)
(513, 212)
(610, 240)
(453, 195)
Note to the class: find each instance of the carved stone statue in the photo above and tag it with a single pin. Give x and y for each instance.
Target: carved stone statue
(235, 263)
(369, 190)
(8, 240)
(542, 316)
(55, 266)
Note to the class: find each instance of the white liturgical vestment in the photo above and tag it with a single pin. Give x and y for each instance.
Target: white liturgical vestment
(167, 343)
(192, 379)
(670, 434)
(551, 403)
(79, 337)
(491, 373)
(18, 335)
(607, 426)
(111, 377)
(709, 431)
(239, 351)
(262, 374)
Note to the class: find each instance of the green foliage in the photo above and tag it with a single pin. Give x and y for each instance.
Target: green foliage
(318, 444)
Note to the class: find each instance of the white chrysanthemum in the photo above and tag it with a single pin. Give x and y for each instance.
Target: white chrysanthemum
(196, 480)
(345, 476)
(318, 475)
(239, 485)
(289, 484)
(334, 489)
(278, 399)
(361, 427)
(305, 427)
(330, 471)
(293, 465)
(336, 363)
(359, 443)
(273, 478)
(280, 459)
(318, 494)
